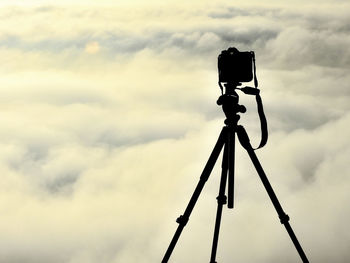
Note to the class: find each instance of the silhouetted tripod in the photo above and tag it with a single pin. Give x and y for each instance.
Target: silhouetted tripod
(226, 140)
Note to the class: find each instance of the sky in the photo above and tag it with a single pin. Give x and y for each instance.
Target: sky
(108, 115)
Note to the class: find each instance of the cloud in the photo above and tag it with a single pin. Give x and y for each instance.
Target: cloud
(109, 115)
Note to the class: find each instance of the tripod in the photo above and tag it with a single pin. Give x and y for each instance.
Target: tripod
(226, 140)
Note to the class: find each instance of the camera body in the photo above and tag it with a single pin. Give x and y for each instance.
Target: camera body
(235, 66)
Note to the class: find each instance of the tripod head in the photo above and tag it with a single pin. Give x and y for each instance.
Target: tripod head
(229, 102)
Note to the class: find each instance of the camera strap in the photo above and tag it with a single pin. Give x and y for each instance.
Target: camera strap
(263, 122)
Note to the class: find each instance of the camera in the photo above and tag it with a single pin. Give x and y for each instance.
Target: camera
(235, 66)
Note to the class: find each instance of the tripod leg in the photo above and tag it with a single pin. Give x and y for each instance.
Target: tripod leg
(183, 219)
(284, 218)
(221, 201)
(231, 167)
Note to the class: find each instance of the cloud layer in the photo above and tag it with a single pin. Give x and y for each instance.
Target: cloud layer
(109, 115)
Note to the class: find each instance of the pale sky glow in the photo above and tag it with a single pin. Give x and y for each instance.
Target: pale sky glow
(108, 116)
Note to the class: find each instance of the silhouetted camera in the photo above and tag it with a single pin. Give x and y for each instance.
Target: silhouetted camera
(235, 66)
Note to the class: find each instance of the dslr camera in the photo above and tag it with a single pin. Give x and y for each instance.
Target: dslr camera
(235, 66)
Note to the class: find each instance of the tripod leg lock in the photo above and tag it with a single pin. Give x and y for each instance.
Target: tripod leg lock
(284, 218)
(181, 220)
(222, 199)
